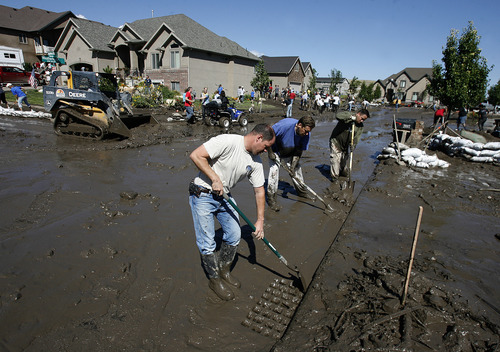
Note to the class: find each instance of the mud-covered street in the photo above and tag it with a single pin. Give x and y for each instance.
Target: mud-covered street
(98, 250)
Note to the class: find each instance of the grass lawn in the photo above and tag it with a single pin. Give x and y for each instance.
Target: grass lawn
(34, 96)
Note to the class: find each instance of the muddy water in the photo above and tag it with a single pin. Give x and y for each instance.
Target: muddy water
(85, 266)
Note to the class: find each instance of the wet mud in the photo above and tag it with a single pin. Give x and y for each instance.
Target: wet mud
(98, 252)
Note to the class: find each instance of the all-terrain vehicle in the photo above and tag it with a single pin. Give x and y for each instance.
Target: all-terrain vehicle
(215, 115)
(89, 105)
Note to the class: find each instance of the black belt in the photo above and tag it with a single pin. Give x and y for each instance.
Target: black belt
(196, 190)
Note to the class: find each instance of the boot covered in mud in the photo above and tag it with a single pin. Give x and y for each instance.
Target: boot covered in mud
(301, 190)
(216, 283)
(226, 257)
(272, 203)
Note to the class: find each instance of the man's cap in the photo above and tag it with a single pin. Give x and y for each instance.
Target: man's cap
(9, 85)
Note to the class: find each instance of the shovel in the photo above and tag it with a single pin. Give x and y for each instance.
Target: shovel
(309, 189)
(351, 182)
(399, 162)
(301, 284)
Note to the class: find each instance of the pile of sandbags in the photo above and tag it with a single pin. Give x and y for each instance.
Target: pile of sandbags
(18, 113)
(457, 146)
(412, 156)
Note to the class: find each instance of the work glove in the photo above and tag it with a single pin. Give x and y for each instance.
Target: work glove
(293, 165)
(353, 118)
(271, 154)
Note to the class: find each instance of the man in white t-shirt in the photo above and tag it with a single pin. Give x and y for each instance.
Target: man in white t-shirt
(223, 161)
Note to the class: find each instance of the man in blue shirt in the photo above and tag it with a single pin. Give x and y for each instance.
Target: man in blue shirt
(292, 138)
(20, 96)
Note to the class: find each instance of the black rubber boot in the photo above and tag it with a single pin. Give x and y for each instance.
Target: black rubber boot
(226, 257)
(216, 283)
(272, 203)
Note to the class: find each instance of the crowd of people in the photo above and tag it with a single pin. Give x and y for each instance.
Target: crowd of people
(227, 159)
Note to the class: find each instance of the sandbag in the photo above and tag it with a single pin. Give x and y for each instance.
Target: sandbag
(414, 152)
(422, 165)
(426, 158)
(471, 151)
(488, 152)
(482, 159)
(492, 145)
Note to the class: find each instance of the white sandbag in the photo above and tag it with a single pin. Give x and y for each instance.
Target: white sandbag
(407, 158)
(402, 146)
(414, 152)
(492, 146)
(426, 158)
(488, 152)
(388, 150)
(442, 163)
(463, 142)
(383, 156)
(411, 162)
(477, 146)
(482, 159)
(471, 151)
(422, 165)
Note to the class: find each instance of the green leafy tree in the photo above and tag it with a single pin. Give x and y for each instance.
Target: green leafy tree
(107, 69)
(377, 92)
(463, 78)
(312, 81)
(261, 80)
(494, 94)
(336, 79)
(353, 86)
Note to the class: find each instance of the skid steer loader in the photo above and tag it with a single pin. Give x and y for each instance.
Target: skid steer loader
(89, 105)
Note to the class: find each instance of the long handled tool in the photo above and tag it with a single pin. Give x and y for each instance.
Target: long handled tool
(399, 162)
(412, 255)
(309, 189)
(301, 280)
(351, 182)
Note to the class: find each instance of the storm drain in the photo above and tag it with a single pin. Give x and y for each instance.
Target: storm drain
(275, 308)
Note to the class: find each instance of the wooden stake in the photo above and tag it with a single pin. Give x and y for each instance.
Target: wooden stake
(412, 254)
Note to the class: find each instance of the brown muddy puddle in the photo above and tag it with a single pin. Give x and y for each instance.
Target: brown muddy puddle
(84, 266)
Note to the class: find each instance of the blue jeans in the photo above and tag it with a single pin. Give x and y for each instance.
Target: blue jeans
(189, 112)
(204, 209)
(289, 111)
(20, 102)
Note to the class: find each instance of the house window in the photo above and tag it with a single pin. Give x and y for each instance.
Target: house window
(155, 61)
(23, 39)
(414, 96)
(175, 86)
(296, 67)
(175, 59)
(9, 56)
(402, 84)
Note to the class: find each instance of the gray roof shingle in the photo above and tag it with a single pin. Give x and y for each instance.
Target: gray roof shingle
(96, 34)
(191, 33)
(279, 64)
(28, 18)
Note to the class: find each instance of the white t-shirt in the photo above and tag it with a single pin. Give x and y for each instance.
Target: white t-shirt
(232, 162)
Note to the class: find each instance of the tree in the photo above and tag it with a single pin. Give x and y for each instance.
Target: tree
(336, 79)
(463, 79)
(353, 86)
(261, 80)
(312, 81)
(377, 93)
(494, 94)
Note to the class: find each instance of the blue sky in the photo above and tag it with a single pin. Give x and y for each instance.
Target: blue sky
(370, 39)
